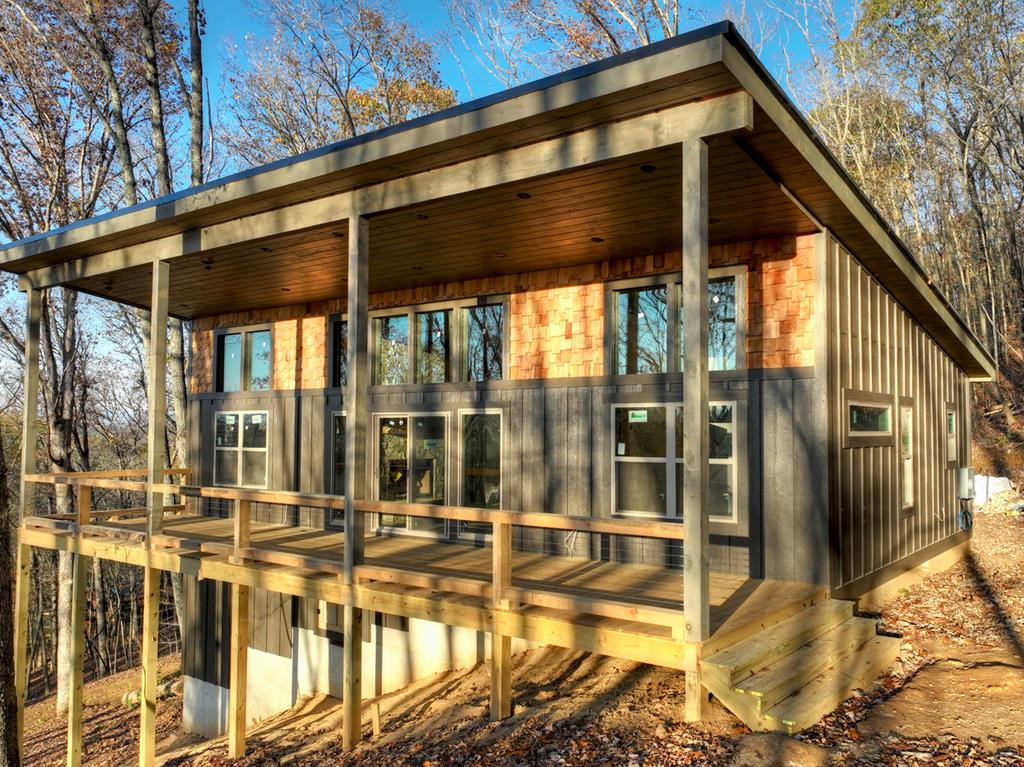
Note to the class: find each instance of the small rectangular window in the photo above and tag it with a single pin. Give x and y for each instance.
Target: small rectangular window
(641, 466)
(244, 361)
(391, 349)
(240, 449)
(432, 347)
(951, 451)
(641, 330)
(870, 420)
(339, 353)
(907, 456)
(721, 460)
(484, 342)
(412, 454)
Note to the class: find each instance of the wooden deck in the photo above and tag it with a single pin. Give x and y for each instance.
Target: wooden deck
(643, 600)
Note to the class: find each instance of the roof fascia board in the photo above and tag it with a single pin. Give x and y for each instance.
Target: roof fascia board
(729, 113)
(569, 88)
(755, 84)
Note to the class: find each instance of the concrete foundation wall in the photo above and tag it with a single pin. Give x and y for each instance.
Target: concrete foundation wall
(392, 659)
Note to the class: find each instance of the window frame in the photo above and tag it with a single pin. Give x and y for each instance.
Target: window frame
(951, 440)
(459, 413)
(672, 281)
(240, 450)
(852, 439)
(457, 364)
(907, 402)
(736, 524)
(333, 515)
(409, 415)
(243, 330)
(332, 349)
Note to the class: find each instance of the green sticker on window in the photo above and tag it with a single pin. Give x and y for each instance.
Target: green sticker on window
(638, 416)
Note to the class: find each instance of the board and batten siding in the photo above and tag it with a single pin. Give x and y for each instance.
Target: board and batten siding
(876, 348)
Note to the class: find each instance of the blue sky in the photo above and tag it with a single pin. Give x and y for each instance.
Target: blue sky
(232, 20)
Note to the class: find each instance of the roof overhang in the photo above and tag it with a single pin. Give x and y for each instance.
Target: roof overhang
(779, 176)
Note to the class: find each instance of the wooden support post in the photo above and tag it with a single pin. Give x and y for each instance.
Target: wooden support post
(156, 392)
(501, 644)
(237, 720)
(22, 586)
(30, 416)
(352, 677)
(148, 656)
(80, 572)
(356, 404)
(696, 596)
(243, 524)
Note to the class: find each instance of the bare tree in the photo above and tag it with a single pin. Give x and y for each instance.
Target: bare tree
(330, 70)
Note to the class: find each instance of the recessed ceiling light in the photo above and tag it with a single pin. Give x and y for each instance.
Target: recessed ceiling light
(267, 250)
(597, 239)
(417, 268)
(422, 216)
(647, 168)
(207, 263)
(285, 290)
(338, 233)
(523, 195)
(714, 220)
(499, 255)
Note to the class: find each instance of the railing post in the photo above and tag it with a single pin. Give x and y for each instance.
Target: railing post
(80, 571)
(501, 644)
(696, 597)
(356, 404)
(243, 525)
(34, 313)
(237, 691)
(157, 394)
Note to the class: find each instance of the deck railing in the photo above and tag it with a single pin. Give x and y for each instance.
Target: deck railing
(499, 589)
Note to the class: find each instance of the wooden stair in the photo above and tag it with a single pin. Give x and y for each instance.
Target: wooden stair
(791, 674)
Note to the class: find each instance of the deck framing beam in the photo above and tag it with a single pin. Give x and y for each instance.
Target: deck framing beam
(696, 576)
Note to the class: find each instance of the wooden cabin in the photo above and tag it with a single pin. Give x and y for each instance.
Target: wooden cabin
(620, 360)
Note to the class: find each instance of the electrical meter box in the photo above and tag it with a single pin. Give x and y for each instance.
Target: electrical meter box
(965, 484)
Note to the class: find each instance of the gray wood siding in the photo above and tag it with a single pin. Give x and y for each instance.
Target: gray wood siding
(557, 458)
(875, 347)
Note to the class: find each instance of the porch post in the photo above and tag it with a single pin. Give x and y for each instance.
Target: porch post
(696, 609)
(33, 317)
(157, 394)
(356, 405)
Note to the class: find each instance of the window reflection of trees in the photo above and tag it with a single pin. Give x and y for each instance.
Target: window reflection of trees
(484, 334)
(643, 330)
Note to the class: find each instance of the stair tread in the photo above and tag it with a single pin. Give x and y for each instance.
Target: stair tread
(829, 689)
(792, 671)
(746, 656)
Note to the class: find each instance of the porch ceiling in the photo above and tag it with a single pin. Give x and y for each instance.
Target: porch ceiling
(631, 205)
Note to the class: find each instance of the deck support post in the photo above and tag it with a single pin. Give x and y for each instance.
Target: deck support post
(237, 692)
(696, 594)
(80, 572)
(29, 440)
(356, 404)
(156, 391)
(501, 644)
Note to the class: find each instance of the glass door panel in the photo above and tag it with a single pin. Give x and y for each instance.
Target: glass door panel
(429, 470)
(393, 465)
(481, 467)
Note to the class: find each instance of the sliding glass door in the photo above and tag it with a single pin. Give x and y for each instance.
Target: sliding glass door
(412, 467)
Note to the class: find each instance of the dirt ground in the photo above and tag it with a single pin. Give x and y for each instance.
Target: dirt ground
(955, 697)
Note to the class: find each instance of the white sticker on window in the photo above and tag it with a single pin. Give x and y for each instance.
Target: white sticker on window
(230, 419)
(257, 419)
(638, 416)
(621, 448)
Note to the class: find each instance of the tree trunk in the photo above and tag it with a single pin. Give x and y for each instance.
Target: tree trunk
(63, 621)
(9, 747)
(102, 619)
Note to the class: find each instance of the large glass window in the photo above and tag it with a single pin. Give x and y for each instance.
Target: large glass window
(240, 449)
(391, 349)
(412, 468)
(244, 361)
(485, 328)
(339, 353)
(337, 476)
(907, 456)
(649, 455)
(642, 332)
(432, 347)
(642, 328)
(481, 467)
